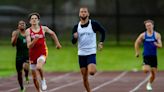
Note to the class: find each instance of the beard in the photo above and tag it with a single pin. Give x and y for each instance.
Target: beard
(83, 18)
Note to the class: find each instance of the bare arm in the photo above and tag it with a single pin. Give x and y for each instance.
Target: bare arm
(159, 42)
(14, 37)
(53, 35)
(30, 43)
(137, 44)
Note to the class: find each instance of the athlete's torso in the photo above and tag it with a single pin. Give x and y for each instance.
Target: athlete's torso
(86, 40)
(149, 47)
(21, 47)
(39, 47)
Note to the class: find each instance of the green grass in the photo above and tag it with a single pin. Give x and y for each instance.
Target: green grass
(111, 58)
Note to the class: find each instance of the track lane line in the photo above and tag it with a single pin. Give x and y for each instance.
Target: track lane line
(69, 84)
(111, 81)
(31, 85)
(140, 84)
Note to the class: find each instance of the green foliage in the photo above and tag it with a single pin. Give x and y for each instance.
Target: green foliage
(111, 58)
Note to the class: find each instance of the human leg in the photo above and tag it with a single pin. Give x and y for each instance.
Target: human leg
(19, 67)
(26, 70)
(154, 65)
(40, 71)
(151, 66)
(91, 69)
(146, 68)
(91, 64)
(35, 80)
(84, 72)
(151, 79)
(153, 74)
(39, 67)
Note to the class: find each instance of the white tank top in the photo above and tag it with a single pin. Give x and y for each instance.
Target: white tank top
(86, 40)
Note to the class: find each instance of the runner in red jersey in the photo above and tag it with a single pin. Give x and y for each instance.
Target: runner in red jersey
(40, 47)
(35, 36)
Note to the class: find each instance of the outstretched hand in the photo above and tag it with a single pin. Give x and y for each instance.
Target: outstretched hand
(100, 46)
(75, 35)
(58, 46)
(137, 55)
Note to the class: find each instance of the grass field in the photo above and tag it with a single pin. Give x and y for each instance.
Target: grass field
(111, 58)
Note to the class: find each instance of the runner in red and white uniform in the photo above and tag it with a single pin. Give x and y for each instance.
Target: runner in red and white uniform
(35, 36)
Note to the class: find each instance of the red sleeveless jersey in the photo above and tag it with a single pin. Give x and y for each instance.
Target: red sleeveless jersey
(39, 48)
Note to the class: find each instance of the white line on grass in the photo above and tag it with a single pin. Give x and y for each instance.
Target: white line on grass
(69, 84)
(140, 84)
(52, 80)
(109, 82)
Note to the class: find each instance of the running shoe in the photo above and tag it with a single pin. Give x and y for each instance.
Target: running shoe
(148, 86)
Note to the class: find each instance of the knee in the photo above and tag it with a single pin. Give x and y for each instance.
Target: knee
(34, 77)
(39, 67)
(91, 69)
(92, 72)
(85, 79)
(26, 66)
(146, 70)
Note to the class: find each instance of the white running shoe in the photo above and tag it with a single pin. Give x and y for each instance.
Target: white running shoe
(44, 85)
(148, 86)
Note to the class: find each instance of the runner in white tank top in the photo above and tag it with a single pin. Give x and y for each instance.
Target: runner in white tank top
(85, 33)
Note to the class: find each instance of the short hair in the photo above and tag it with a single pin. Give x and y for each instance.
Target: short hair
(149, 20)
(84, 6)
(34, 13)
(21, 20)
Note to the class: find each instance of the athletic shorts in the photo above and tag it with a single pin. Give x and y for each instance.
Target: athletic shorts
(42, 58)
(19, 63)
(84, 61)
(150, 60)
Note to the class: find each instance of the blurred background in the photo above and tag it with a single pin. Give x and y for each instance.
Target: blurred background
(123, 19)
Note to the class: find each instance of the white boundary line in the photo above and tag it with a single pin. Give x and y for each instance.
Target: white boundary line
(52, 80)
(109, 82)
(140, 84)
(8, 83)
(13, 82)
(69, 84)
(60, 87)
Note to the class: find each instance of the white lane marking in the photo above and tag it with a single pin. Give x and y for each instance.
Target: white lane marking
(9, 82)
(109, 82)
(52, 80)
(69, 84)
(140, 84)
(60, 87)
